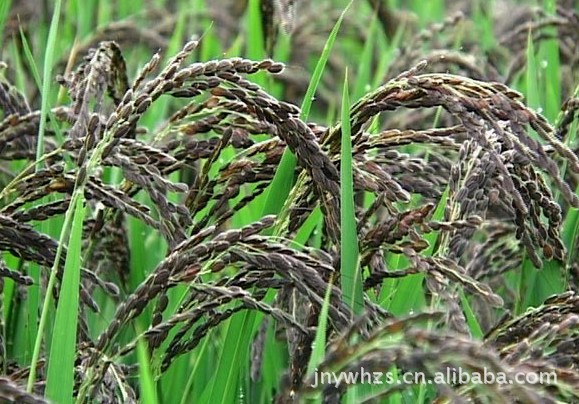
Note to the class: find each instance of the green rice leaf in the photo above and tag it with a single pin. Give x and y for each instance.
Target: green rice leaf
(60, 375)
(351, 277)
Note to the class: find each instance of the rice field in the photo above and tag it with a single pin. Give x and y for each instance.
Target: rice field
(253, 201)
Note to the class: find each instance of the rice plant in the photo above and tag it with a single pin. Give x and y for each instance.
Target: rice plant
(230, 201)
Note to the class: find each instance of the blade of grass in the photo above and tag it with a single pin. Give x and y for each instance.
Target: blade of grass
(146, 382)
(309, 226)
(570, 231)
(60, 374)
(532, 78)
(471, 320)
(363, 76)
(105, 12)
(233, 353)
(4, 10)
(319, 344)
(255, 43)
(85, 13)
(351, 281)
(484, 23)
(194, 375)
(549, 57)
(47, 79)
